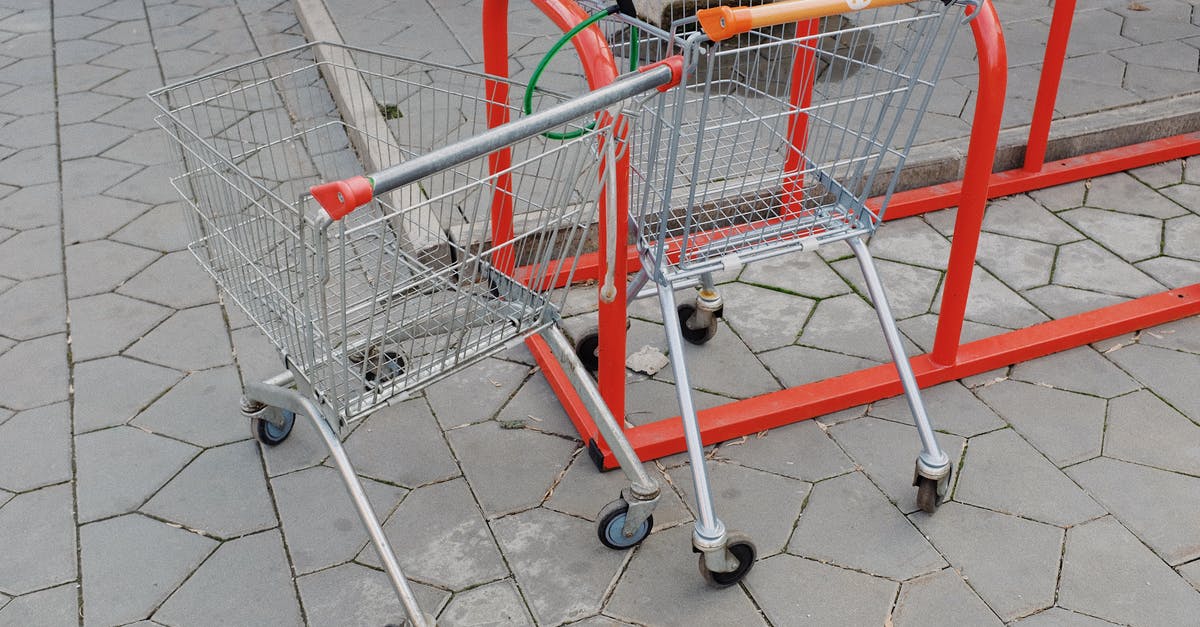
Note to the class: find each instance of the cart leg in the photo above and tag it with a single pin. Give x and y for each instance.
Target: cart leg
(725, 557)
(932, 476)
(290, 400)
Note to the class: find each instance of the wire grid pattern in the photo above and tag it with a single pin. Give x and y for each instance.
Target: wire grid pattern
(408, 288)
(717, 180)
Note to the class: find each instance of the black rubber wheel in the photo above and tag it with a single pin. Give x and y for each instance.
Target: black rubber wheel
(745, 552)
(382, 370)
(587, 349)
(927, 496)
(695, 336)
(610, 525)
(270, 434)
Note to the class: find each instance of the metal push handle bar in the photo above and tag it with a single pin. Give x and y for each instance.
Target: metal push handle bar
(339, 198)
(723, 22)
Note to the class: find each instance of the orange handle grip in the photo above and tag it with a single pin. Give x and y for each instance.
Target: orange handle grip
(339, 198)
(721, 23)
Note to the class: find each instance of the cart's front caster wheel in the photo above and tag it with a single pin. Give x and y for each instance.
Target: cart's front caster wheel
(741, 548)
(927, 494)
(270, 434)
(611, 524)
(587, 349)
(695, 336)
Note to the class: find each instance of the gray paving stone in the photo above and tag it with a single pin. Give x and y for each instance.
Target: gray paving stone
(1156, 367)
(992, 302)
(951, 408)
(106, 324)
(402, 444)
(118, 469)
(1185, 194)
(1011, 563)
(1087, 266)
(661, 587)
(79, 51)
(1183, 335)
(352, 594)
(648, 400)
(558, 562)
(318, 519)
(583, 491)
(204, 409)
(45, 554)
(30, 207)
(498, 602)
(724, 366)
(911, 241)
(1168, 172)
(509, 469)
(132, 563)
(31, 254)
(96, 217)
(887, 451)
(1058, 617)
(1080, 370)
(110, 391)
(35, 448)
(440, 537)
(1121, 192)
(1191, 572)
(1019, 263)
(174, 280)
(257, 358)
(1066, 427)
(33, 309)
(148, 186)
(192, 339)
(222, 492)
(53, 606)
(88, 139)
(162, 228)
(35, 373)
(798, 273)
(1078, 89)
(245, 581)
(1132, 237)
(537, 406)
(941, 598)
(764, 319)
(846, 324)
(1060, 302)
(1143, 429)
(910, 289)
(1108, 573)
(1004, 473)
(92, 175)
(761, 505)
(144, 148)
(1022, 217)
(849, 523)
(85, 105)
(797, 365)
(475, 394)
(303, 448)
(138, 114)
(100, 266)
(831, 596)
(1147, 501)
(1180, 235)
(800, 450)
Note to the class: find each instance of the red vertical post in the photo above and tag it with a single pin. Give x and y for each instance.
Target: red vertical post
(800, 99)
(1052, 65)
(989, 107)
(495, 63)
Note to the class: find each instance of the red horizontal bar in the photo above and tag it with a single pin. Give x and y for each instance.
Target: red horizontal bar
(733, 420)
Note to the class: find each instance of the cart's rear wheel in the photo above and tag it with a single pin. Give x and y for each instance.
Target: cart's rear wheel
(611, 523)
(382, 370)
(270, 434)
(587, 349)
(927, 494)
(695, 336)
(744, 550)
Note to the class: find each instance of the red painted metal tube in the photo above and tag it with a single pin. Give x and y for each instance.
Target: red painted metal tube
(1052, 65)
(985, 129)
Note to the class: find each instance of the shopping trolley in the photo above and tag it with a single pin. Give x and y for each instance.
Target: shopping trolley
(375, 286)
(790, 117)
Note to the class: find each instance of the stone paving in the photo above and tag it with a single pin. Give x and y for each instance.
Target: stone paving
(131, 492)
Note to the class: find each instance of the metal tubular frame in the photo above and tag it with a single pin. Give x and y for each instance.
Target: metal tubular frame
(950, 358)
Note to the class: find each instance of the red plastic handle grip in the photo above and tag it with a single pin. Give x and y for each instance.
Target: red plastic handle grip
(676, 65)
(339, 198)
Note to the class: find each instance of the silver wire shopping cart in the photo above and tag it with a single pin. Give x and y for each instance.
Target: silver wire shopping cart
(375, 286)
(790, 116)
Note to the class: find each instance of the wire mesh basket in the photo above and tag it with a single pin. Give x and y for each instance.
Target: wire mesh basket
(409, 287)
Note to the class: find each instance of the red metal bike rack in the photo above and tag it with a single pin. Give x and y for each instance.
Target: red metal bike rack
(949, 359)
